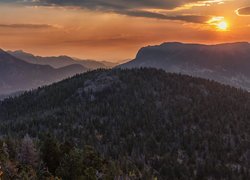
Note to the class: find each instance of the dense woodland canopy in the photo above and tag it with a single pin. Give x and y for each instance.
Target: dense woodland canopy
(138, 124)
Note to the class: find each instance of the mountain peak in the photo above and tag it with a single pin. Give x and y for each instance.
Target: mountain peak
(234, 44)
(172, 43)
(243, 43)
(227, 63)
(19, 75)
(19, 51)
(4, 55)
(2, 51)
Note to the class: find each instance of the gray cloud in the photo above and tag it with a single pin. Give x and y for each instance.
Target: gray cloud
(116, 4)
(26, 26)
(112, 4)
(186, 18)
(125, 7)
(245, 11)
(131, 7)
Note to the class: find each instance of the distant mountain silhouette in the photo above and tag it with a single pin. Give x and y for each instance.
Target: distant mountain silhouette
(60, 61)
(110, 64)
(18, 75)
(227, 63)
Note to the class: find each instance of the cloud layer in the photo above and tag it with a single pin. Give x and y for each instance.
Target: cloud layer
(26, 26)
(117, 4)
(135, 8)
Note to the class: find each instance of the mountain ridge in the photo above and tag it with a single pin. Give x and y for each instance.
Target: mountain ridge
(18, 75)
(226, 63)
(58, 61)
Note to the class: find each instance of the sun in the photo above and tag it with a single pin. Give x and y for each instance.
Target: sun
(219, 23)
(223, 26)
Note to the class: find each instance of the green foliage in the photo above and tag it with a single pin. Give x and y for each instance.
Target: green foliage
(51, 154)
(83, 164)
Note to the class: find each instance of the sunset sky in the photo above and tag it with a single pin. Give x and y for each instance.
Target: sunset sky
(115, 29)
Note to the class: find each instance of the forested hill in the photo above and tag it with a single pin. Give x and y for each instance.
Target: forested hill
(149, 123)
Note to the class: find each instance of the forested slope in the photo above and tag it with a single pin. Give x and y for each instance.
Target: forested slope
(143, 123)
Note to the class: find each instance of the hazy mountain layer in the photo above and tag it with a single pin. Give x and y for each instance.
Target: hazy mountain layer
(60, 61)
(18, 75)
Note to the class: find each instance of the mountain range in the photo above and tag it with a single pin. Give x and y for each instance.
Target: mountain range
(149, 123)
(18, 75)
(60, 61)
(226, 63)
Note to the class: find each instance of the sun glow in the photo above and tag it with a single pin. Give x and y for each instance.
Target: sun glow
(223, 26)
(219, 23)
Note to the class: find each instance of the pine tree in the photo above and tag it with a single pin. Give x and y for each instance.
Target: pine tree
(28, 154)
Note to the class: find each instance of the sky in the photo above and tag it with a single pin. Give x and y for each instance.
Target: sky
(115, 30)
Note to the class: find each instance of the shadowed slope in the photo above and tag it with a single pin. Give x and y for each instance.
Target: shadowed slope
(149, 122)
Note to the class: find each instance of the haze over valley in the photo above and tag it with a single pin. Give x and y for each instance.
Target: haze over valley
(20, 71)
